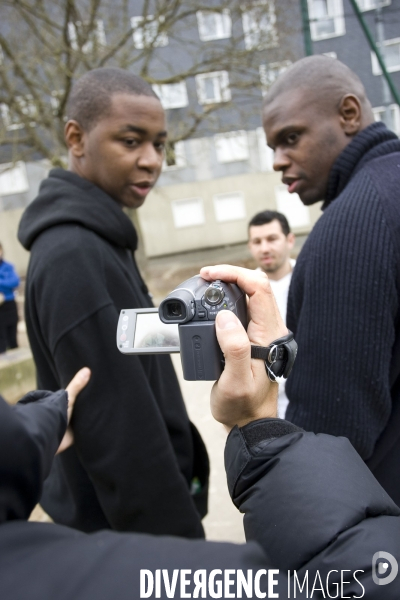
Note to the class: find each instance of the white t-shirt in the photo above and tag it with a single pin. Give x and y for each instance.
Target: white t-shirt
(280, 287)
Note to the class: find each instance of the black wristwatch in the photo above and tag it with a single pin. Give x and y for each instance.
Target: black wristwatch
(279, 356)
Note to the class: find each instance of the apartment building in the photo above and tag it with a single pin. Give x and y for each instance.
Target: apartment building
(210, 67)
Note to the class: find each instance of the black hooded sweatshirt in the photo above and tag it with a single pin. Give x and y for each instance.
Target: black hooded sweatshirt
(135, 451)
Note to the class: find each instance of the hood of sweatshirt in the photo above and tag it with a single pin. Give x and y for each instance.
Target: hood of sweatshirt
(64, 198)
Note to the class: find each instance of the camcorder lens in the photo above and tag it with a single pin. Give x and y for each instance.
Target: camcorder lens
(174, 310)
(214, 295)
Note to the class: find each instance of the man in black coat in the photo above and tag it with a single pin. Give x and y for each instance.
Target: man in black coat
(313, 511)
(343, 304)
(136, 452)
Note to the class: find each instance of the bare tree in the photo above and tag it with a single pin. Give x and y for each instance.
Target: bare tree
(46, 45)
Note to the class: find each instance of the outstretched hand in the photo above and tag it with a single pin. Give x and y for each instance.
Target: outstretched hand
(75, 386)
(244, 393)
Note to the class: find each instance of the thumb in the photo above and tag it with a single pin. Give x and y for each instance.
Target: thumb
(77, 384)
(234, 342)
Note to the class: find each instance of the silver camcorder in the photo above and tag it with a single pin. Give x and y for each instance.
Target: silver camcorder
(185, 323)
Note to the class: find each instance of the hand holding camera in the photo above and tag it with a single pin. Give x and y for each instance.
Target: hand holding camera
(244, 391)
(211, 314)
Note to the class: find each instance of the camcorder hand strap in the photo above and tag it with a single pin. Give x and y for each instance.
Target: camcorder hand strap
(279, 356)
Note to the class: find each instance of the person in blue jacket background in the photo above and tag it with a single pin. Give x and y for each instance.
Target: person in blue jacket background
(9, 281)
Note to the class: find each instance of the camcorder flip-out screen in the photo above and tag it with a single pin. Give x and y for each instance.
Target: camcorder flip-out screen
(140, 331)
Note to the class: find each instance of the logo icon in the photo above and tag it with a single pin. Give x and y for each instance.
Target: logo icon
(384, 568)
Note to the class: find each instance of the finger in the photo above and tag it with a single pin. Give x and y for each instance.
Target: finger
(232, 336)
(235, 346)
(266, 322)
(77, 384)
(67, 441)
(243, 392)
(248, 280)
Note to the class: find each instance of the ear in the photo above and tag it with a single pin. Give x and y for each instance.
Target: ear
(291, 239)
(350, 114)
(74, 138)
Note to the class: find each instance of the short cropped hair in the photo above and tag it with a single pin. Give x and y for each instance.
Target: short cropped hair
(323, 77)
(90, 98)
(266, 216)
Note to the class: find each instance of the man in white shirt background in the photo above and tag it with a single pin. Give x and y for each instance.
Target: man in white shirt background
(270, 244)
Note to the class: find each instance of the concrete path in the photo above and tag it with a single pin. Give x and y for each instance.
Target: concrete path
(223, 522)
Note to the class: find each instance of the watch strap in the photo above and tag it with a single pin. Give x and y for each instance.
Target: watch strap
(279, 356)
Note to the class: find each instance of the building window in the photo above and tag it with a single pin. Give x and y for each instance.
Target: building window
(292, 207)
(175, 157)
(370, 4)
(265, 153)
(97, 36)
(11, 118)
(391, 55)
(213, 87)
(259, 26)
(188, 212)
(229, 207)
(172, 95)
(13, 179)
(232, 146)
(269, 73)
(326, 18)
(214, 25)
(393, 117)
(146, 32)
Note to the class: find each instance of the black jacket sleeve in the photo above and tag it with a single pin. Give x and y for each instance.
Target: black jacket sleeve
(30, 434)
(312, 504)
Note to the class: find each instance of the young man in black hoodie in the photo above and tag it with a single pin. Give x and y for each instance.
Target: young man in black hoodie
(343, 304)
(135, 453)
